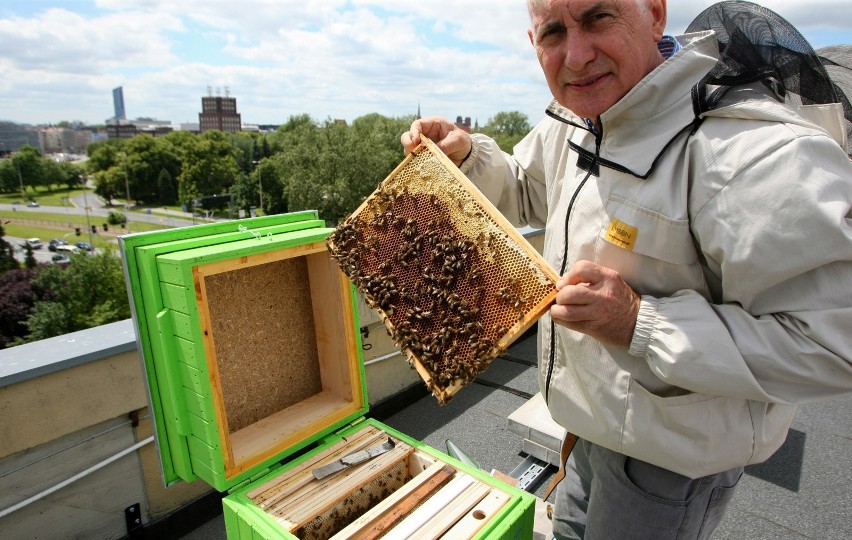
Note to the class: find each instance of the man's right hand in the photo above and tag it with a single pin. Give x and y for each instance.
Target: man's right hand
(451, 139)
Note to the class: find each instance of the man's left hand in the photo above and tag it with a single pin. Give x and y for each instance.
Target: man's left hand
(595, 300)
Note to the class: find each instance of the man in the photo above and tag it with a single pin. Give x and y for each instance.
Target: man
(706, 255)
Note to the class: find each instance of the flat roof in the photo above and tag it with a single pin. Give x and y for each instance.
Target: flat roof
(32, 360)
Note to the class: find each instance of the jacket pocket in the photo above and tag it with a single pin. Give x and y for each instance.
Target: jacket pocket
(693, 434)
(653, 252)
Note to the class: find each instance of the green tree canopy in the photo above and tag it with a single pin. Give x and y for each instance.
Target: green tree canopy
(8, 177)
(29, 165)
(88, 292)
(507, 128)
(209, 167)
(143, 158)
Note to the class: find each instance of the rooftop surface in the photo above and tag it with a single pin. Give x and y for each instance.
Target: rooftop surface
(802, 492)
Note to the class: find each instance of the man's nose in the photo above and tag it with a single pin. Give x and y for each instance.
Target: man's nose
(579, 51)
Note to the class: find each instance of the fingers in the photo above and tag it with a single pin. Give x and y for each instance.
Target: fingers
(595, 300)
(584, 272)
(454, 142)
(411, 138)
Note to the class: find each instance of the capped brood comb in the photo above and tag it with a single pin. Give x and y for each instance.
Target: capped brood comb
(453, 280)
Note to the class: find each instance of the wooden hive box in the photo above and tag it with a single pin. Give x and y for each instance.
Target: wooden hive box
(249, 339)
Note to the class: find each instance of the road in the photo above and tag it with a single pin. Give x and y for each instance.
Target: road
(98, 212)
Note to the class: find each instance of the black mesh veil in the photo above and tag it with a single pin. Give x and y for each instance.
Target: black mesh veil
(757, 45)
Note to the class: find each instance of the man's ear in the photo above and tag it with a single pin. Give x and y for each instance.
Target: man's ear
(657, 9)
(530, 34)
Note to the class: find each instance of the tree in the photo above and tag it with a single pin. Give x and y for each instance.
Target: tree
(29, 258)
(8, 177)
(18, 296)
(507, 128)
(333, 167)
(109, 184)
(7, 254)
(29, 165)
(57, 174)
(209, 167)
(166, 189)
(88, 292)
(101, 157)
(142, 160)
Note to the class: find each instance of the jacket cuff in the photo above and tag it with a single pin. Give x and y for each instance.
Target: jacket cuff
(646, 321)
(467, 165)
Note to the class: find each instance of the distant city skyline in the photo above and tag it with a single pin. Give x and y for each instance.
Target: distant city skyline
(279, 58)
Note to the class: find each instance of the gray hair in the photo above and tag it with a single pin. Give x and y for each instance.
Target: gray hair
(533, 5)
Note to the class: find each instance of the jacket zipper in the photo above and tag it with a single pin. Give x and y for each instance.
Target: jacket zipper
(552, 355)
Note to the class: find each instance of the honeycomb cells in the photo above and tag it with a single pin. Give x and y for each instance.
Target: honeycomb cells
(454, 289)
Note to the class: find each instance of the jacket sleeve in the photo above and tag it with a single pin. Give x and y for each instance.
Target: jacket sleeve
(777, 235)
(515, 184)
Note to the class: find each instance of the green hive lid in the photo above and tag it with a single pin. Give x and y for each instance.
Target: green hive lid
(233, 326)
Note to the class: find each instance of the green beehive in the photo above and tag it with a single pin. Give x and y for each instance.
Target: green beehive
(250, 343)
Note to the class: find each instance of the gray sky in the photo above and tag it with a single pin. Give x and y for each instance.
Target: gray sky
(329, 58)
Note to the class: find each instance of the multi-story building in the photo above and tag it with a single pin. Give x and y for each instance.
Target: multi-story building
(463, 123)
(219, 113)
(60, 140)
(14, 136)
(121, 129)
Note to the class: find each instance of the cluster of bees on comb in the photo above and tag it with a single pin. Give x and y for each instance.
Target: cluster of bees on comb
(451, 286)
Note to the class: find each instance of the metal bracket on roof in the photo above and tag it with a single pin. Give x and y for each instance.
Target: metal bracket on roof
(133, 520)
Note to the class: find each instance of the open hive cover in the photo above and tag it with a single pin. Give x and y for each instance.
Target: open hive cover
(452, 279)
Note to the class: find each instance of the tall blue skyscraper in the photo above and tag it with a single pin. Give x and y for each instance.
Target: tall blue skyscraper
(118, 103)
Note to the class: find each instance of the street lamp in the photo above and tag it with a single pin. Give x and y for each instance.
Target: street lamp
(259, 184)
(65, 204)
(86, 206)
(122, 155)
(21, 180)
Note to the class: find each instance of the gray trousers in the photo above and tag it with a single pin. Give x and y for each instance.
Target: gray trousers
(606, 495)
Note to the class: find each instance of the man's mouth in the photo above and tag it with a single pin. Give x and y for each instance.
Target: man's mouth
(586, 82)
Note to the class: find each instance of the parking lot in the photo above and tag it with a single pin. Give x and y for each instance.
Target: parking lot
(43, 254)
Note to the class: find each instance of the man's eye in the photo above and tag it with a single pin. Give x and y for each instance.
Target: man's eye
(599, 19)
(550, 36)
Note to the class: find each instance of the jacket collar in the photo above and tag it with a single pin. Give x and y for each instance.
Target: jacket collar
(654, 111)
(660, 107)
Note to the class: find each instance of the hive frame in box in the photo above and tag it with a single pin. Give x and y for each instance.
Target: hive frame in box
(452, 279)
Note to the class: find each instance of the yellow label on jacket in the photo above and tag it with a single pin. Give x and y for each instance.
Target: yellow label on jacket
(621, 234)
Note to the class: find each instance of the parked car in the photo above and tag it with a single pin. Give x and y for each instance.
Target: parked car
(56, 242)
(67, 249)
(34, 243)
(85, 246)
(32, 204)
(61, 258)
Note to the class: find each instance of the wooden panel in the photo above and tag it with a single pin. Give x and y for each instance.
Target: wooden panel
(174, 297)
(479, 515)
(335, 336)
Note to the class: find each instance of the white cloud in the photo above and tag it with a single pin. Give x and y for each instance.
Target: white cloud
(337, 59)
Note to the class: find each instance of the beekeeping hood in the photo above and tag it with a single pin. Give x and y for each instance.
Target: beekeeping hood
(758, 46)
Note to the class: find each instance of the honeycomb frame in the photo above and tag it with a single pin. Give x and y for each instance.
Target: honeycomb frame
(453, 281)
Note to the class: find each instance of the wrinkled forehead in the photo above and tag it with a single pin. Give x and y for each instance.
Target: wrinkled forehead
(539, 9)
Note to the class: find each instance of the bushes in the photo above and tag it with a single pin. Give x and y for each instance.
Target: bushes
(116, 218)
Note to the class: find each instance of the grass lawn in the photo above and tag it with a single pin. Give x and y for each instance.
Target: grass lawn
(49, 220)
(43, 196)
